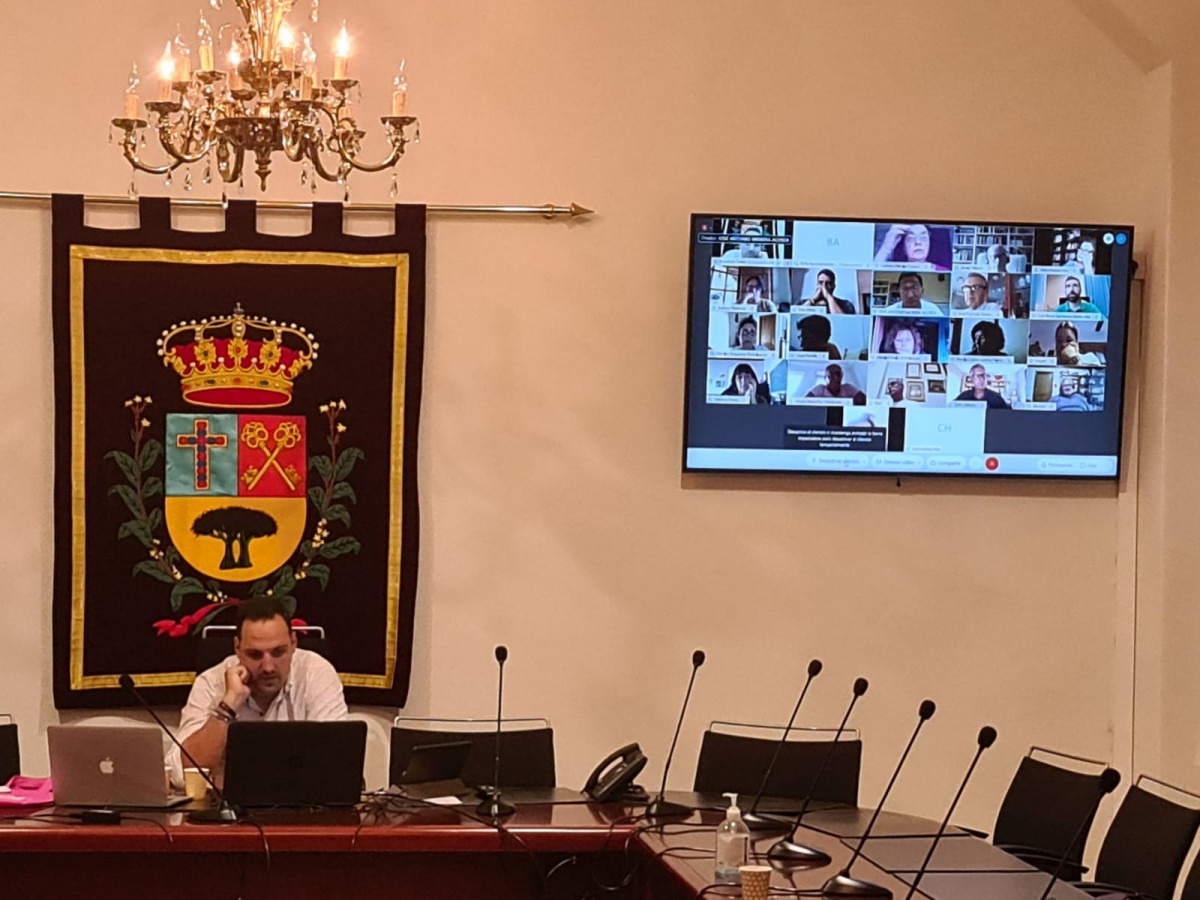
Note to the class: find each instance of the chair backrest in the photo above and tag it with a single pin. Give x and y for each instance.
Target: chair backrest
(1191, 886)
(1148, 841)
(10, 750)
(734, 762)
(216, 643)
(1045, 806)
(526, 754)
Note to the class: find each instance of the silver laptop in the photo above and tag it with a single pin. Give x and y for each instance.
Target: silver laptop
(109, 765)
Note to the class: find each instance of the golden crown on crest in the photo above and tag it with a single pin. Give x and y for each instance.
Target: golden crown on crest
(237, 360)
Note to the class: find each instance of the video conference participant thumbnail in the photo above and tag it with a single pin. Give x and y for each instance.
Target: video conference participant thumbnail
(825, 384)
(751, 239)
(974, 293)
(1078, 250)
(1079, 296)
(830, 337)
(995, 340)
(995, 386)
(910, 294)
(740, 382)
(816, 290)
(1067, 342)
(907, 384)
(1065, 390)
(914, 246)
(752, 288)
(742, 334)
(918, 340)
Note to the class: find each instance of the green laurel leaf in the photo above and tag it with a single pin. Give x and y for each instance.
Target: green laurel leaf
(343, 491)
(154, 570)
(185, 587)
(346, 460)
(319, 571)
(285, 583)
(152, 487)
(152, 451)
(126, 493)
(258, 588)
(136, 529)
(214, 586)
(128, 467)
(155, 519)
(323, 466)
(338, 513)
(316, 496)
(289, 605)
(171, 555)
(339, 547)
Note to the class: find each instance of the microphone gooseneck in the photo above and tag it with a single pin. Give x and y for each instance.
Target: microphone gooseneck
(752, 819)
(495, 806)
(225, 812)
(843, 883)
(660, 807)
(786, 851)
(987, 737)
(1109, 779)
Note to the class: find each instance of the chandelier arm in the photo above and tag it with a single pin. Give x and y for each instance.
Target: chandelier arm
(295, 149)
(229, 174)
(314, 154)
(389, 162)
(181, 157)
(128, 147)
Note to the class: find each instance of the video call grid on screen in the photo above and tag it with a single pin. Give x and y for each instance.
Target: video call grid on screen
(906, 345)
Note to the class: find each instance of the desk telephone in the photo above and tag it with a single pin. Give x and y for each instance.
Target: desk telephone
(613, 778)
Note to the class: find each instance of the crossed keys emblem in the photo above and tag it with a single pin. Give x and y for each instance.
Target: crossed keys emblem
(256, 437)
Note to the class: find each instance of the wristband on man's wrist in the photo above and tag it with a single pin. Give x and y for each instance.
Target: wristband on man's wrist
(227, 710)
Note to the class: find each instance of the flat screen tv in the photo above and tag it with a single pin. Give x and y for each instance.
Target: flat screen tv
(906, 346)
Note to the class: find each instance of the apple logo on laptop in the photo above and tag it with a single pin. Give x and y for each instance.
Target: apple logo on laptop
(106, 765)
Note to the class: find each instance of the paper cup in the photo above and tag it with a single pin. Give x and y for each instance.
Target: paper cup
(194, 784)
(756, 882)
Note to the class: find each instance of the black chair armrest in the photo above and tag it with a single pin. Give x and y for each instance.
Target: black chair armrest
(1094, 889)
(1047, 862)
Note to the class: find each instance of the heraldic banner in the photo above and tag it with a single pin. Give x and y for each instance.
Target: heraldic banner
(235, 415)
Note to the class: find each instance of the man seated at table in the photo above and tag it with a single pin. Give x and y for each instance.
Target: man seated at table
(266, 679)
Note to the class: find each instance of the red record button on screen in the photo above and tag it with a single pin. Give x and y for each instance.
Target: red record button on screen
(992, 464)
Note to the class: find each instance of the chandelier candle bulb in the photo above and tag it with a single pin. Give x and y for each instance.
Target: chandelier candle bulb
(205, 45)
(236, 82)
(341, 55)
(306, 87)
(287, 48)
(399, 92)
(166, 74)
(132, 106)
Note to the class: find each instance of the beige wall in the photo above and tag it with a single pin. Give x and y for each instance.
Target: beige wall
(554, 516)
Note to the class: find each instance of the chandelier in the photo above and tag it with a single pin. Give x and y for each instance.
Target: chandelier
(267, 96)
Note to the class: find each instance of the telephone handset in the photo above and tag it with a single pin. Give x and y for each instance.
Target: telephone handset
(613, 778)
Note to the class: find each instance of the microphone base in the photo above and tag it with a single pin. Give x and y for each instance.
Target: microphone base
(788, 853)
(762, 822)
(222, 815)
(661, 809)
(843, 885)
(495, 808)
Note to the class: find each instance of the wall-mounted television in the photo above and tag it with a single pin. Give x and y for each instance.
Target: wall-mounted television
(906, 346)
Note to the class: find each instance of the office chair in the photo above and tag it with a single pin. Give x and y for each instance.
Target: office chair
(1146, 845)
(216, 643)
(10, 750)
(1191, 886)
(526, 753)
(736, 762)
(1043, 809)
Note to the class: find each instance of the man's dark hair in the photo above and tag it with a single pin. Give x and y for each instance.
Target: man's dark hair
(916, 275)
(262, 609)
(830, 273)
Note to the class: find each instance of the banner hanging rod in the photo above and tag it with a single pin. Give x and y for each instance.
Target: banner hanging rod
(548, 211)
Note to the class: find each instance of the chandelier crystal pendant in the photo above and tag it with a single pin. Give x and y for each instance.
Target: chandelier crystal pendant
(268, 98)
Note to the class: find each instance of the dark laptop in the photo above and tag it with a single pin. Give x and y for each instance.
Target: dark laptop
(295, 763)
(435, 770)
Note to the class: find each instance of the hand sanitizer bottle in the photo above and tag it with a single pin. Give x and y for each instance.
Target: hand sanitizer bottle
(733, 841)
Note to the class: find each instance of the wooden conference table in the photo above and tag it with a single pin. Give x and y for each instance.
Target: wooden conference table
(555, 845)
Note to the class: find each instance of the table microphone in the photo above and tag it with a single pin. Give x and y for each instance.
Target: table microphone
(987, 737)
(495, 806)
(660, 807)
(1109, 779)
(753, 820)
(843, 884)
(786, 851)
(225, 812)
